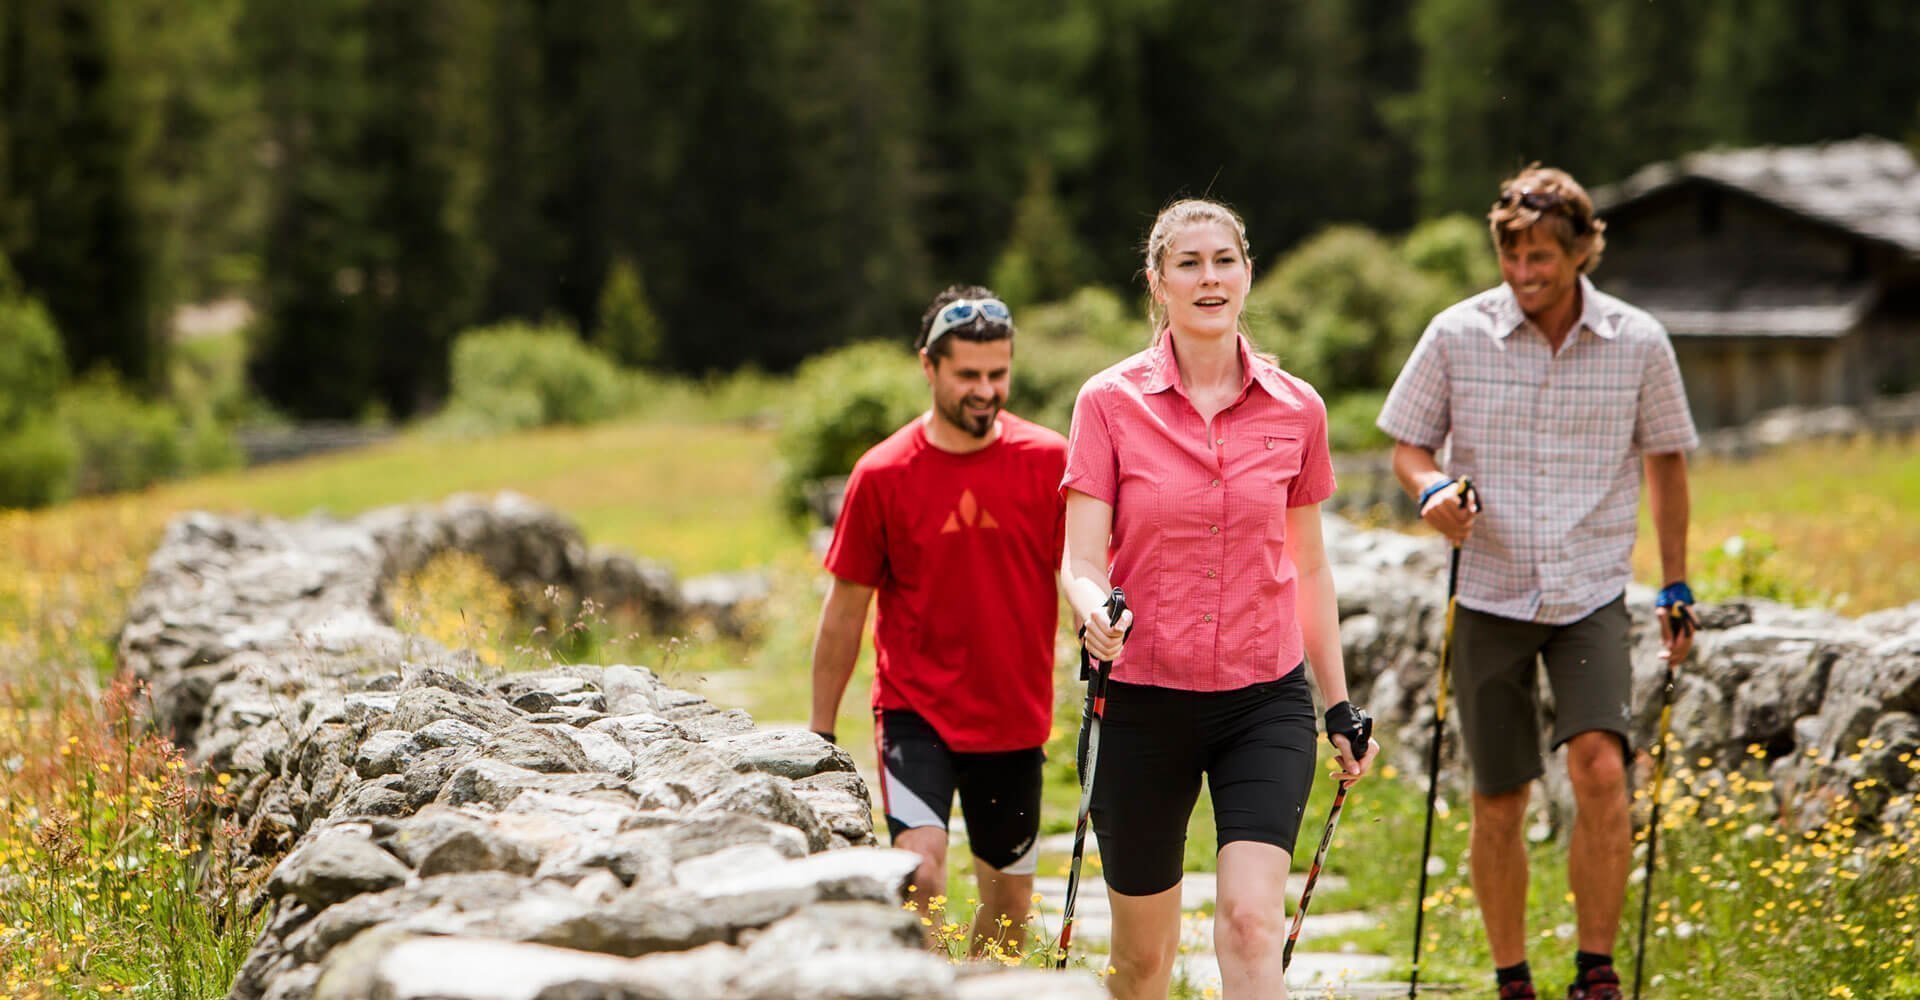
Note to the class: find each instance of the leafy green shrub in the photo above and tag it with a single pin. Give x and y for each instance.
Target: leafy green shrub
(1063, 344)
(746, 395)
(1043, 259)
(1454, 250)
(207, 379)
(1343, 310)
(124, 442)
(1350, 419)
(515, 375)
(32, 363)
(1091, 315)
(1045, 382)
(1751, 565)
(629, 330)
(208, 445)
(36, 463)
(844, 402)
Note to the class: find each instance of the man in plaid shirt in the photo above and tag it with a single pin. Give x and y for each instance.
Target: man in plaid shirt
(1552, 397)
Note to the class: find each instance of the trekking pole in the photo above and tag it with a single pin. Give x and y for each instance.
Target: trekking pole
(1090, 728)
(1677, 619)
(1471, 500)
(1313, 873)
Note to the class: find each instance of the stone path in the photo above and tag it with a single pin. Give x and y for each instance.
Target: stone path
(1312, 974)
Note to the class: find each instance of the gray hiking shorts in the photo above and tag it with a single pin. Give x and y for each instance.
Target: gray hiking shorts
(1496, 687)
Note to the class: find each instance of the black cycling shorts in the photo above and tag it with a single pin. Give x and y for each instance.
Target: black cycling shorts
(1255, 745)
(999, 792)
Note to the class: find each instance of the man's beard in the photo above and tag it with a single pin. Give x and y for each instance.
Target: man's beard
(977, 426)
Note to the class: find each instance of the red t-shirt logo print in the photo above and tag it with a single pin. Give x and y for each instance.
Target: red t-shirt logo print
(969, 513)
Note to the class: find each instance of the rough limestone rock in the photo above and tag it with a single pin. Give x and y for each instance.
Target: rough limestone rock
(1789, 680)
(440, 832)
(436, 830)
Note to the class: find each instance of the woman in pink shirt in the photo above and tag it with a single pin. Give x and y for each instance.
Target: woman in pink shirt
(1195, 472)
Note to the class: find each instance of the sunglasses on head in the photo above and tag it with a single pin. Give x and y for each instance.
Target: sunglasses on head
(1543, 201)
(960, 312)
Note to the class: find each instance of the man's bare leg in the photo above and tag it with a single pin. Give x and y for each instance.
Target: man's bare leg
(930, 879)
(1600, 851)
(1499, 868)
(1005, 900)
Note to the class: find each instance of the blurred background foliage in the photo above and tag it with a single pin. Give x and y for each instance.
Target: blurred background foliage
(695, 188)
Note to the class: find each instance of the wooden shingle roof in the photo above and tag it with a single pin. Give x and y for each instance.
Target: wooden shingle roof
(1867, 186)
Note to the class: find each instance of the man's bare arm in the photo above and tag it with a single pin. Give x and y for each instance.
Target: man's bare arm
(843, 624)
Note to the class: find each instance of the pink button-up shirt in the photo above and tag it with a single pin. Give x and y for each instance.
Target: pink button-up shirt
(1199, 515)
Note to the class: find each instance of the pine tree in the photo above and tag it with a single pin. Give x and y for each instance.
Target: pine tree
(194, 104)
(420, 141)
(317, 353)
(371, 265)
(1499, 86)
(69, 215)
(1043, 261)
(629, 331)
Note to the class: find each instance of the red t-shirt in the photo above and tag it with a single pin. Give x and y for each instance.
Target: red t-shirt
(964, 551)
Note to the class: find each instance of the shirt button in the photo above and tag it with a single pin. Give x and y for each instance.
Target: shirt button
(1211, 574)
(1207, 617)
(1214, 483)
(1213, 529)
(1219, 440)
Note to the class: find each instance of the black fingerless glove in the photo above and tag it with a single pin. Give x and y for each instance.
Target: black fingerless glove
(1356, 725)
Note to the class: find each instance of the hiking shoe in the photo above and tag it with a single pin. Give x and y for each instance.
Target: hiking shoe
(1598, 984)
(1522, 990)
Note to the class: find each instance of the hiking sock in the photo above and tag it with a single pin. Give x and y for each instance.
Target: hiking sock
(1587, 961)
(1516, 973)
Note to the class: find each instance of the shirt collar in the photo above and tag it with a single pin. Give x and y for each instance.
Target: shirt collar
(1507, 316)
(1163, 370)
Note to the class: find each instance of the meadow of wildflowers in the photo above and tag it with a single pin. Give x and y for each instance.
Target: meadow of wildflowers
(114, 873)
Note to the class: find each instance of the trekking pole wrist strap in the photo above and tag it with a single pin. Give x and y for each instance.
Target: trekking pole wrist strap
(1674, 593)
(1438, 485)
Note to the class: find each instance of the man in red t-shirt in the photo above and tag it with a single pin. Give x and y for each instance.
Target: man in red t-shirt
(956, 521)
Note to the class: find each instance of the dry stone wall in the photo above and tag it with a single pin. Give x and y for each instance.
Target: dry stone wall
(590, 831)
(1831, 702)
(449, 833)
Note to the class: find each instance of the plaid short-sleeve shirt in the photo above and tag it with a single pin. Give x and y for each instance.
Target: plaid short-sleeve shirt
(1552, 441)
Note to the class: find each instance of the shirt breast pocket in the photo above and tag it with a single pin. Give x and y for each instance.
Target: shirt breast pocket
(1269, 462)
(1270, 456)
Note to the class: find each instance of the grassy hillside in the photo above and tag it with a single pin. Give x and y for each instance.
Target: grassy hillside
(99, 913)
(1818, 523)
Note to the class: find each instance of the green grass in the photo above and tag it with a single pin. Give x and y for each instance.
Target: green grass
(1707, 876)
(1822, 523)
(1819, 523)
(695, 495)
(104, 897)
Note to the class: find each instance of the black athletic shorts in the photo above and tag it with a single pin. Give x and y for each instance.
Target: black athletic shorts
(999, 792)
(1256, 745)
